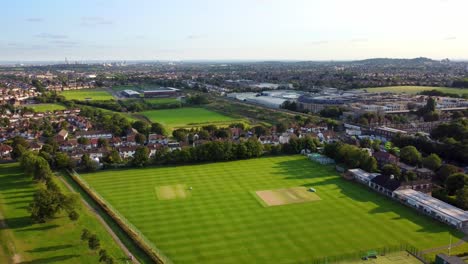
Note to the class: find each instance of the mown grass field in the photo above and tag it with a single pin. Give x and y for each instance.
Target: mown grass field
(162, 101)
(85, 94)
(187, 117)
(222, 221)
(57, 241)
(46, 107)
(415, 89)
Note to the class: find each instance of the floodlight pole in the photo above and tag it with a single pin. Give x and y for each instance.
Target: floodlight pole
(450, 245)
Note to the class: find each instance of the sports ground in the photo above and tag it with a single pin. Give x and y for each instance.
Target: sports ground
(187, 117)
(211, 213)
(415, 89)
(45, 107)
(87, 94)
(57, 241)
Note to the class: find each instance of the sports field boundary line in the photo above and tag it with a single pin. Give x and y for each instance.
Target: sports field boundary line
(148, 247)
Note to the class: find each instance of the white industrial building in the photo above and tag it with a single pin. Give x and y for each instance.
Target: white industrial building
(267, 101)
(437, 209)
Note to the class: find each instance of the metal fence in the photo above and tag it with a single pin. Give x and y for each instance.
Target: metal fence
(381, 251)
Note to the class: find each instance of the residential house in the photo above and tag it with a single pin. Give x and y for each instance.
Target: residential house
(5, 151)
(385, 158)
(93, 134)
(157, 139)
(61, 135)
(388, 184)
(127, 151)
(424, 173)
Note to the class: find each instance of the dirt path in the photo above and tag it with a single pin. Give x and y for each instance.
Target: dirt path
(103, 222)
(456, 244)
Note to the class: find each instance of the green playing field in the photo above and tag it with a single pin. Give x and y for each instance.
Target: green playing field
(87, 94)
(223, 221)
(187, 117)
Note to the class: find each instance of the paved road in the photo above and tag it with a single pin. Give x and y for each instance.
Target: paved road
(103, 222)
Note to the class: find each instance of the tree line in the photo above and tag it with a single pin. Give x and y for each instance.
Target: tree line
(48, 200)
(212, 151)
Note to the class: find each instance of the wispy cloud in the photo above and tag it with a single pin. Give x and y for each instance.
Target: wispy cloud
(51, 36)
(357, 40)
(95, 21)
(23, 46)
(193, 37)
(450, 38)
(318, 42)
(35, 19)
(64, 43)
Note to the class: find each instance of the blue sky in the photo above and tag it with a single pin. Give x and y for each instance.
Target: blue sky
(241, 29)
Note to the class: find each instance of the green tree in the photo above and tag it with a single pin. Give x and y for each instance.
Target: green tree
(94, 242)
(391, 169)
(431, 104)
(141, 126)
(19, 145)
(140, 138)
(432, 162)
(410, 176)
(62, 161)
(42, 169)
(180, 134)
(141, 156)
(260, 130)
(85, 234)
(87, 164)
(365, 143)
(281, 127)
(83, 141)
(445, 171)
(28, 163)
(157, 128)
(47, 202)
(462, 198)
(331, 112)
(113, 157)
(103, 255)
(203, 134)
(410, 155)
(456, 182)
(103, 143)
(73, 215)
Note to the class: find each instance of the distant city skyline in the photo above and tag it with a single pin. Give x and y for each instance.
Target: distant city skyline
(51, 30)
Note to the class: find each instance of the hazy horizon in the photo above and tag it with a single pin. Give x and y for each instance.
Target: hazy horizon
(209, 30)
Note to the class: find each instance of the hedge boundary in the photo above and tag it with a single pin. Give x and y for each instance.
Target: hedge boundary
(141, 241)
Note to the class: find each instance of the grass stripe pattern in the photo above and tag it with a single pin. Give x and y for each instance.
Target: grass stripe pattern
(222, 222)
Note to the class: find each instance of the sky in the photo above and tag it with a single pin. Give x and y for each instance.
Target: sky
(232, 30)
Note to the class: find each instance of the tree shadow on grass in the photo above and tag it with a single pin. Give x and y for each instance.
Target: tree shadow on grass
(14, 183)
(19, 196)
(50, 259)
(17, 222)
(39, 228)
(51, 248)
